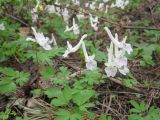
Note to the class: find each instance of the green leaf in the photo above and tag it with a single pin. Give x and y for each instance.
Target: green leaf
(37, 91)
(83, 96)
(130, 82)
(92, 77)
(103, 117)
(64, 98)
(136, 106)
(143, 106)
(43, 56)
(47, 73)
(85, 106)
(53, 92)
(8, 71)
(63, 77)
(7, 88)
(60, 101)
(22, 78)
(100, 56)
(62, 114)
(134, 117)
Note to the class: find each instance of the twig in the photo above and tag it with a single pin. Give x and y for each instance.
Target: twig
(75, 68)
(109, 104)
(120, 83)
(139, 27)
(17, 19)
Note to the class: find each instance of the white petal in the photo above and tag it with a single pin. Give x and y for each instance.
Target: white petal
(51, 8)
(53, 40)
(68, 28)
(71, 49)
(2, 27)
(75, 28)
(47, 47)
(111, 71)
(121, 61)
(80, 42)
(30, 39)
(110, 53)
(65, 14)
(91, 65)
(86, 5)
(114, 40)
(128, 48)
(65, 55)
(85, 52)
(124, 70)
(41, 39)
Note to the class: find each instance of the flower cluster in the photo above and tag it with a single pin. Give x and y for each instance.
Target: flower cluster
(117, 61)
(116, 55)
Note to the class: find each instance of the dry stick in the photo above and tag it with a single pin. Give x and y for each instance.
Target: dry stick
(110, 21)
(109, 104)
(17, 19)
(137, 27)
(73, 67)
(120, 83)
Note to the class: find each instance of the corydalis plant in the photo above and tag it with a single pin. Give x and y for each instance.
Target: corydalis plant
(74, 28)
(94, 22)
(91, 64)
(116, 55)
(71, 49)
(42, 40)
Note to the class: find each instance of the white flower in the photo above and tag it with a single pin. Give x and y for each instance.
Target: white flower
(92, 6)
(124, 70)
(68, 28)
(101, 6)
(106, 10)
(87, 5)
(110, 68)
(57, 8)
(51, 8)
(34, 12)
(76, 2)
(2, 27)
(74, 27)
(53, 40)
(125, 46)
(30, 39)
(94, 22)
(34, 15)
(71, 49)
(111, 71)
(105, 1)
(81, 16)
(41, 40)
(91, 64)
(120, 3)
(65, 15)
